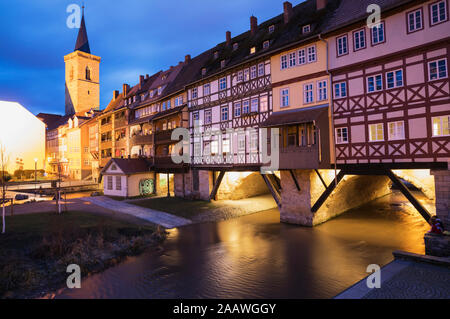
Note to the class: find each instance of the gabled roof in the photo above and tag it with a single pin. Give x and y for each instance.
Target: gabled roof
(82, 43)
(49, 119)
(129, 165)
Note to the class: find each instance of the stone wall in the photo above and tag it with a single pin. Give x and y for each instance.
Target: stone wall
(161, 184)
(442, 186)
(239, 185)
(420, 178)
(351, 192)
(437, 245)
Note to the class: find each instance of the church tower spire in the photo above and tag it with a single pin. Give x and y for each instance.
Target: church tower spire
(82, 39)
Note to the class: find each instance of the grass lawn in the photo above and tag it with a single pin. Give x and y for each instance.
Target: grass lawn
(178, 206)
(37, 248)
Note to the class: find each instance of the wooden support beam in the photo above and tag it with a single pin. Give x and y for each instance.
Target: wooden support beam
(276, 181)
(321, 179)
(216, 186)
(422, 210)
(272, 190)
(328, 192)
(294, 178)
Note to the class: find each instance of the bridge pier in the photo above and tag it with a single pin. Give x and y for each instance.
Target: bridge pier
(352, 191)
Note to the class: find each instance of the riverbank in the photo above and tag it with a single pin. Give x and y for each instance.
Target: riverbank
(202, 211)
(37, 248)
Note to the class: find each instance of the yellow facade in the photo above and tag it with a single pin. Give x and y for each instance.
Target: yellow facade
(296, 77)
(82, 82)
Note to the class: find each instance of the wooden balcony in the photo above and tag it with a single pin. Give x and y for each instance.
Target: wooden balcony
(122, 122)
(141, 139)
(122, 143)
(164, 137)
(300, 157)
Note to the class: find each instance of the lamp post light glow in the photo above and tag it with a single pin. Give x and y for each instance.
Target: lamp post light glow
(35, 176)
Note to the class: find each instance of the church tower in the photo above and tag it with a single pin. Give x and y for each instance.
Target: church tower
(82, 76)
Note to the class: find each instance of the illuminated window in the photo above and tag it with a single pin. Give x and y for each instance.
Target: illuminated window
(441, 125)
(226, 146)
(252, 50)
(214, 147)
(263, 104)
(396, 131)
(376, 132)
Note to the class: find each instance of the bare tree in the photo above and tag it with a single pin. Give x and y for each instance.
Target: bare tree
(4, 179)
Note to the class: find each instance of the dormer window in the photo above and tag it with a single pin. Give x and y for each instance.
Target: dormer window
(266, 44)
(306, 28)
(134, 98)
(159, 90)
(151, 94)
(164, 77)
(216, 54)
(271, 28)
(253, 50)
(235, 46)
(222, 63)
(204, 71)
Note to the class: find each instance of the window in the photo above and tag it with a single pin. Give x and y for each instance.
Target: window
(263, 104)
(254, 106)
(194, 93)
(208, 117)
(237, 109)
(322, 92)
(261, 69)
(179, 100)
(374, 83)
(216, 54)
(414, 19)
(235, 46)
(301, 56)
(396, 131)
(241, 142)
(222, 63)
(224, 113)
(312, 54)
(284, 97)
(151, 94)
(225, 146)
(246, 75)
(437, 69)
(254, 142)
(306, 28)
(252, 50)
(292, 59)
(223, 84)
(110, 182)
(340, 90)
(266, 44)
(284, 62)
(440, 125)
(214, 147)
(438, 12)
(159, 90)
(359, 39)
(206, 89)
(341, 135)
(197, 149)
(203, 71)
(253, 72)
(394, 79)
(195, 116)
(240, 76)
(246, 107)
(342, 45)
(271, 29)
(292, 136)
(376, 132)
(118, 183)
(308, 93)
(88, 73)
(378, 33)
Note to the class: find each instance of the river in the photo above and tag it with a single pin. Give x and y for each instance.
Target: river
(258, 257)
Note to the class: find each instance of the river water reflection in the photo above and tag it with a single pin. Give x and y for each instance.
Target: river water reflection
(258, 257)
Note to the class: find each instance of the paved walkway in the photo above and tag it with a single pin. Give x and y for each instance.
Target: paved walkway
(405, 279)
(157, 217)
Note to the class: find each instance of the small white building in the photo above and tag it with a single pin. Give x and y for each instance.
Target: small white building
(128, 177)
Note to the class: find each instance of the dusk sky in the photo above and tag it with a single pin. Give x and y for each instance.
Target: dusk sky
(132, 37)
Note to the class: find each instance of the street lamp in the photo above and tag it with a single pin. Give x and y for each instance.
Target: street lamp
(35, 177)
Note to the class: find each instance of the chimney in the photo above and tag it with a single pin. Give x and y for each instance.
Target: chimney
(147, 76)
(253, 24)
(321, 4)
(288, 12)
(125, 89)
(115, 94)
(141, 81)
(187, 58)
(228, 37)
